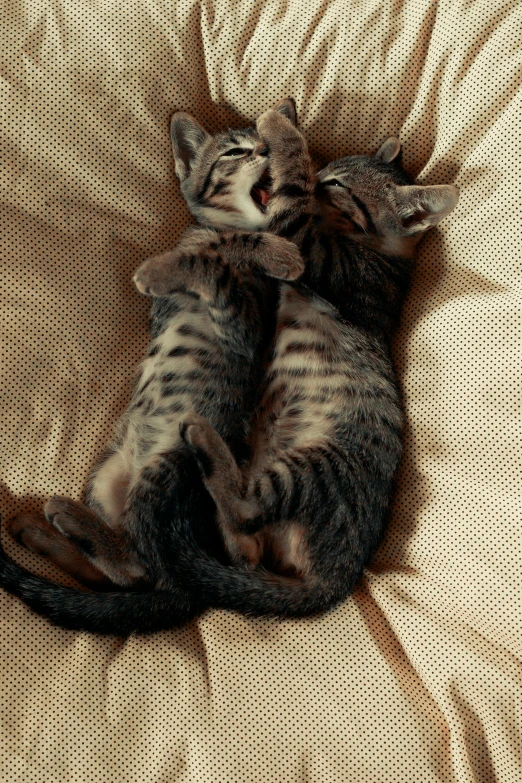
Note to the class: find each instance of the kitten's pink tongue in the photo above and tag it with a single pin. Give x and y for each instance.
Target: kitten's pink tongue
(264, 197)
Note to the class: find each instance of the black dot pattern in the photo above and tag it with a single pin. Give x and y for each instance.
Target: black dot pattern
(416, 678)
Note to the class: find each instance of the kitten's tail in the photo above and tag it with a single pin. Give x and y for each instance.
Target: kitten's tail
(118, 613)
(252, 593)
(261, 593)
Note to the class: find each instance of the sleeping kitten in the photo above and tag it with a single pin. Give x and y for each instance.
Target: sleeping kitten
(295, 469)
(205, 357)
(302, 517)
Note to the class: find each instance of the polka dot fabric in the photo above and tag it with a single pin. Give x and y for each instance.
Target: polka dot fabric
(416, 678)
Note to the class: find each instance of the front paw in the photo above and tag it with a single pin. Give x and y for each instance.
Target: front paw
(157, 276)
(274, 129)
(286, 262)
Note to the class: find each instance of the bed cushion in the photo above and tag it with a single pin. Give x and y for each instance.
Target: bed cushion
(414, 679)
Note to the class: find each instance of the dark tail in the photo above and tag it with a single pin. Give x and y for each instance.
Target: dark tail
(117, 613)
(259, 593)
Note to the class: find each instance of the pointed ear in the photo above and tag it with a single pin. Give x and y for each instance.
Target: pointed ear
(187, 136)
(389, 150)
(286, 107)
(422, 206)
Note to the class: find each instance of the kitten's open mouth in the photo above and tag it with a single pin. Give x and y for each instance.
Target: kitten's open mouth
(260, 193)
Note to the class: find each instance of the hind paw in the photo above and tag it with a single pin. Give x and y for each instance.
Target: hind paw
(29, 530)
(65, 515)
(193, 428)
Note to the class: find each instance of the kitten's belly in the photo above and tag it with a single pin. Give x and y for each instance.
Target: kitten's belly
(186, 370)
(324, 376)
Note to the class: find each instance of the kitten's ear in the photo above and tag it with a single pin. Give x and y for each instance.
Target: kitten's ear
(286, 107)
(187, 136)
(422, 206)
(389, 150)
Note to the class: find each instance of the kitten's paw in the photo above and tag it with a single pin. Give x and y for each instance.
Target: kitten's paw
(34, 532)
(26, 526)
(198, 433)
(37, 534)
(192, 428)
(275, 129)
(157, 276)
(286, 262)
(65, 515)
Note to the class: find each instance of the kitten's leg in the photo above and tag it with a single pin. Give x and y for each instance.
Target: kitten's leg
(80, 542)
(242, 513)
(237, 300)
(205, 259)
(225, 483)
(109, 487)
(37, 534)
(107, 549)
(293, 180)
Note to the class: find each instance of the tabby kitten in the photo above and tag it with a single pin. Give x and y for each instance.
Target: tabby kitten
(205, 357)
(302, 517)
(311, 503)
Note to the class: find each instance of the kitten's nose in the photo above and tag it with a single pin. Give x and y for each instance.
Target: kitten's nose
(261, 149)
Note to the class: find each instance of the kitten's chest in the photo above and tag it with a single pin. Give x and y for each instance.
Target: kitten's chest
(180, 358)
(188, 368)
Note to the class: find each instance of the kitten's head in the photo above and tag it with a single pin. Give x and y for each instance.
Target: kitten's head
(374, 202)
(224, 178)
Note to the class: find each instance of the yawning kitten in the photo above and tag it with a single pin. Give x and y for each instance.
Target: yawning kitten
(311, 502)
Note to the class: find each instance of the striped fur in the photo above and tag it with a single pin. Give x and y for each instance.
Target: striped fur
(210, 333)
(301, 518)
(309, 506)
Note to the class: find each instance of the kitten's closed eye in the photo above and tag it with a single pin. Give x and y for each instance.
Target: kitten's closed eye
(235, 152)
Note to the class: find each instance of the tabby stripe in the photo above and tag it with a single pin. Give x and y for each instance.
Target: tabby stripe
(190, 331)
(327, 260)
(337, 475)
(294, 226)
(191, 375)
(302, 372)
(206, 183)
(364, 209)
(222, 282)
(297, 496)
(221, 318)
(178, 388)
(152, 377)
(218, 188)
(319, 481)
(304, 347)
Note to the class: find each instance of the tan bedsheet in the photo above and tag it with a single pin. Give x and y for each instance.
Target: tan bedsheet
(416, 678)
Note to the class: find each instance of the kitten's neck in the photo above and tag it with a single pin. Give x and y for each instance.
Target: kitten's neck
(392, 246)
(395, 246)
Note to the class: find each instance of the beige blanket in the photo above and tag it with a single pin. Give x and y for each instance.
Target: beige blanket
(417, 677)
